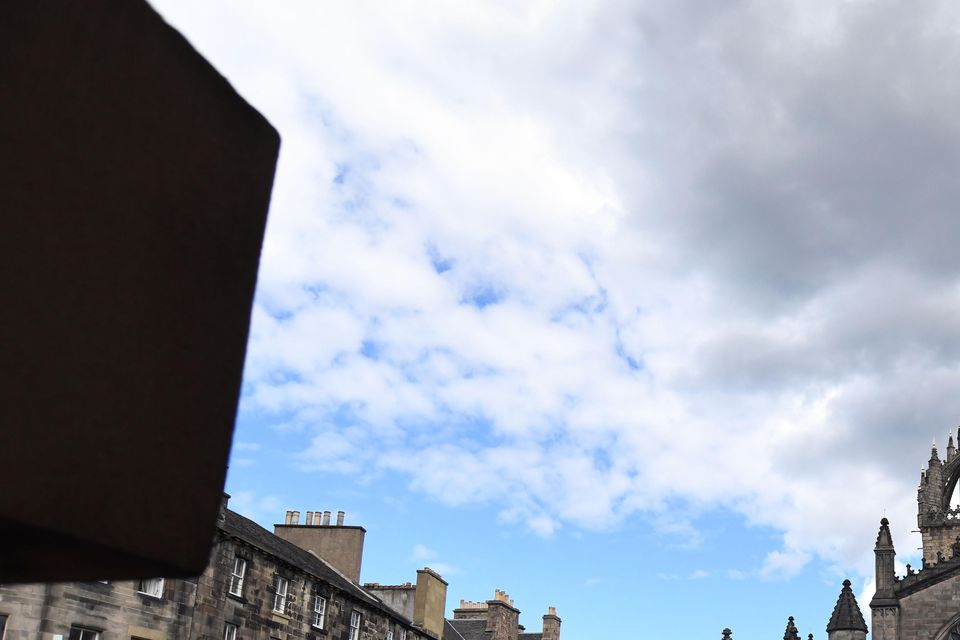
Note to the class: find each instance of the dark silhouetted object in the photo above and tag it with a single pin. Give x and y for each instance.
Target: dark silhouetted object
(134, 187)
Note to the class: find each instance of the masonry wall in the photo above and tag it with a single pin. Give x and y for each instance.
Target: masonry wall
(198, 609)
(252, 612)
(502, 620)
(341, 546)
(925, 613)
(398, 598)
(115, 609)
(938, 539)
(885, 623)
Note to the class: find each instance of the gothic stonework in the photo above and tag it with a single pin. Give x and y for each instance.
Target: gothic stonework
(924, 604)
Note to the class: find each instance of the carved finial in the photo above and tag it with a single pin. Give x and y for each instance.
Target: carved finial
(726, 634)
(791, 633)
(910, 570)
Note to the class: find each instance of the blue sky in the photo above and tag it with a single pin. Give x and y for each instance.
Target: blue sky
(637, 309)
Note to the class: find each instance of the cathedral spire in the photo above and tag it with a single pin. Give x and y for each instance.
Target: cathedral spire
(846, 616)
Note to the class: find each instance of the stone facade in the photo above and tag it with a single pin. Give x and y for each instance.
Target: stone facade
(118, 609)
(256, 586)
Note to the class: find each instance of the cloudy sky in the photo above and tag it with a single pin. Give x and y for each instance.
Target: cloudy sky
(644, 310)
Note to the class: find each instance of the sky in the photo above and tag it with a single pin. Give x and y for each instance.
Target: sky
(643, 310)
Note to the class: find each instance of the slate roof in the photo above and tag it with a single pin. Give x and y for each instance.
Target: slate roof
(846, 614)
(473, 629)
(250, 532)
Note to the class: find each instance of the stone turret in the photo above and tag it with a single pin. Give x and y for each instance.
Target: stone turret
(847, 621)
(885, 607)
(938, 521)
(930, 493)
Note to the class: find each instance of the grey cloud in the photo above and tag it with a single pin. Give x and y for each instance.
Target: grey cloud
(786, 162)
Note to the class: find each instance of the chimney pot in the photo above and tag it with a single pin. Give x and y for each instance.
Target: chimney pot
(309, 519)
(340, 515)
(326, 518)
(295, 517)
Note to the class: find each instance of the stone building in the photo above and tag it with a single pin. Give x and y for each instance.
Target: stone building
(300, 583)
(496, 619)
(924, 604)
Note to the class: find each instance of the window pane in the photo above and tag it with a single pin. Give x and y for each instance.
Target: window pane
(236, 577)
(151, 587)
(354, 625)
(319, 610)
(280, 599)
(230, 632)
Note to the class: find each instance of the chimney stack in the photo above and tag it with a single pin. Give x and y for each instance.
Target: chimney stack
(341, 546)
(502, 617)
(430, 601)
(551, 624)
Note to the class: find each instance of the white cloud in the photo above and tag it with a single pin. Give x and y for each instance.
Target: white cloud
(589, 260)
(427, 556)
(783, 564)
(422, 552)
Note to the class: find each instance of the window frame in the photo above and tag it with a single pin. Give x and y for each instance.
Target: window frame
(159, 582)
(230, 631)
(389, 635)
(280, 596)
(236, 579)
(403, 634)
(354, 628)
(319, 616)
(86, 633)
